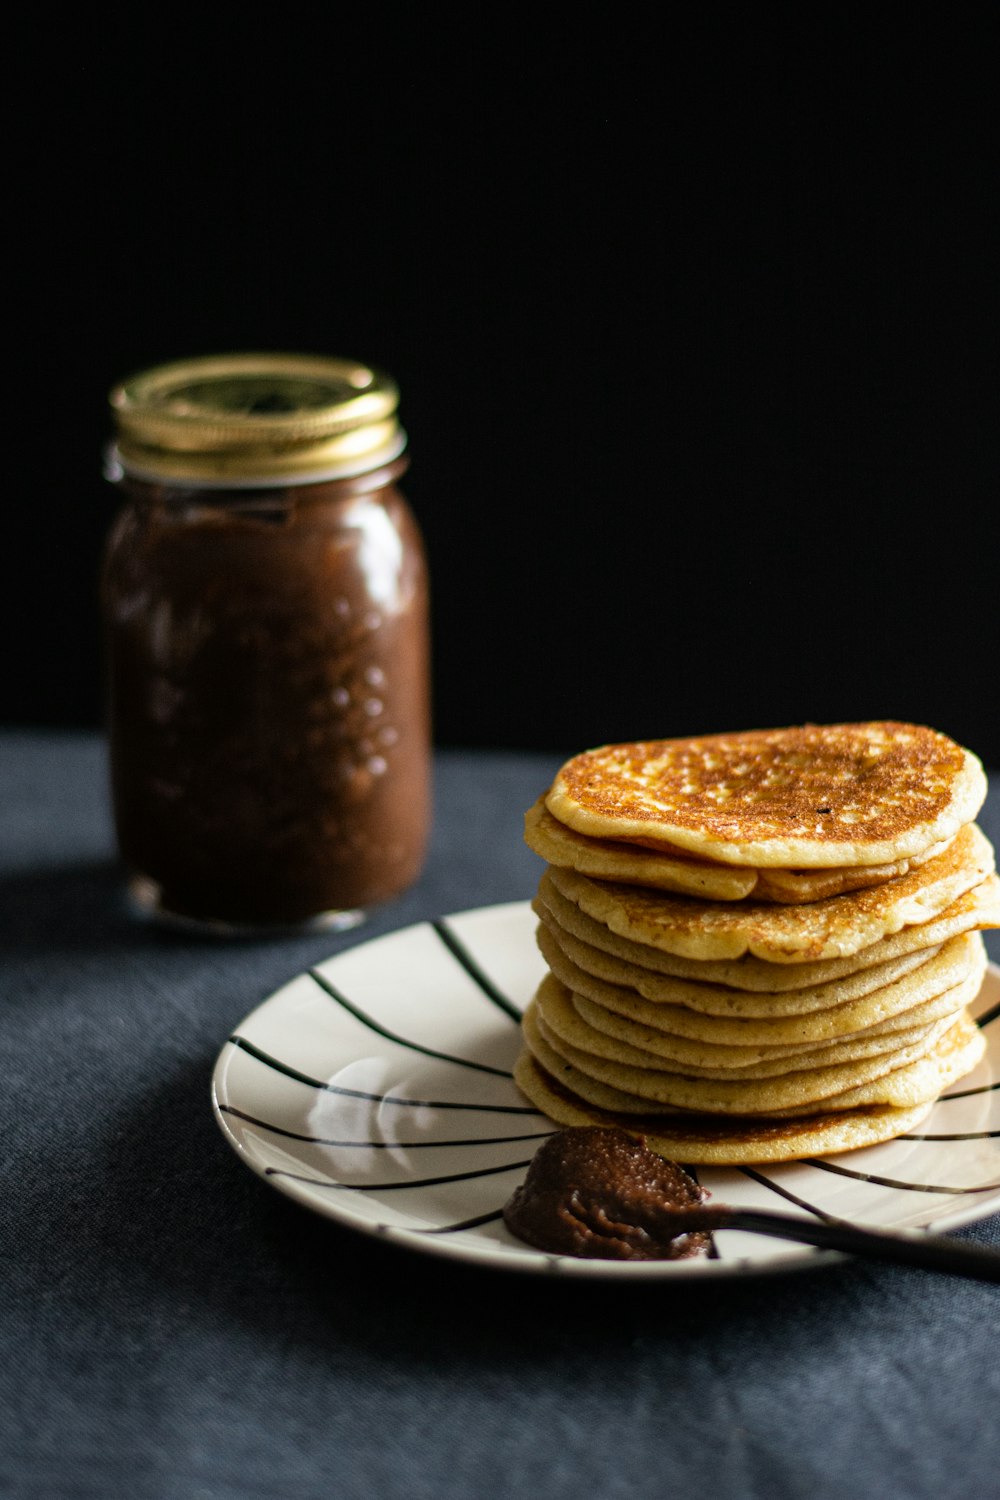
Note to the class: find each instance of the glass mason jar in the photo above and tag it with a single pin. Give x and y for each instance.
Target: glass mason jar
(264, 598)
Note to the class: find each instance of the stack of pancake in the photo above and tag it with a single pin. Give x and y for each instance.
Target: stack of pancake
(761, 946)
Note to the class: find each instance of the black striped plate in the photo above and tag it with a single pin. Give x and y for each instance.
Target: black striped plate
(377, 1090)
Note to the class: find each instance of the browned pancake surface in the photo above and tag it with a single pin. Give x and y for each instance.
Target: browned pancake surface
(800, 797)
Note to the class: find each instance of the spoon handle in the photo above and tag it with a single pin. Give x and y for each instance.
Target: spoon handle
(912, 1247)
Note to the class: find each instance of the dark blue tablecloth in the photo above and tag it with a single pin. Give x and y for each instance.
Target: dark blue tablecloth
(174, 1328)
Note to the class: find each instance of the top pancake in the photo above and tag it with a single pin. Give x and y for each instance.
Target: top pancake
(809, 797)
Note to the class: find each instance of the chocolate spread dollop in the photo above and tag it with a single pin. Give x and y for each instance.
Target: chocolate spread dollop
(601, 1194)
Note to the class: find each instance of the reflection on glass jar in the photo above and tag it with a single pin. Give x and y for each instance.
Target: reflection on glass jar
(265, 603)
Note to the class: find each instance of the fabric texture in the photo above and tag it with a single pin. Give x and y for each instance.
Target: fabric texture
(173, 1328)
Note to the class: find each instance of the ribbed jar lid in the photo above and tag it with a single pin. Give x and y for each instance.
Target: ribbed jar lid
(238, 419)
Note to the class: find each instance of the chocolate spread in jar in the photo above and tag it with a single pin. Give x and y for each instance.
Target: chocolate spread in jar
(264, 595)
(269, 720)
(601, 1194)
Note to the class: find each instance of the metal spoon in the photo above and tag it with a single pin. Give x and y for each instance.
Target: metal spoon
(912, 1247)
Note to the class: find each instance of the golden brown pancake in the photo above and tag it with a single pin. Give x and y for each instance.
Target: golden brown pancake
(916, 1080)
(834, 928)
(685, 874)
(806, 797)
(759, 945)
(916, 999)
(590, 1027)
(628, 863)
(977, 908)
(865, 990)
(800, 1091)
(702, 1139)
(794, 886)
(877, 1043)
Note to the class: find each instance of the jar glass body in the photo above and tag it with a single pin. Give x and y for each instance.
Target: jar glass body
(268, 697)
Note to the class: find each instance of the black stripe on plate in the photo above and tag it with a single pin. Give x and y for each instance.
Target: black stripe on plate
(317, 1140)
(333, 1088)
(391, 1036)
(788, 1196)
(384, 1187)
(490, 1218)
(984, 1088)
(988, 1015)
(962, 1135)
(461, 954)
(892, 1182)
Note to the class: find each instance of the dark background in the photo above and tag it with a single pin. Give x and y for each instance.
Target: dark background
(694, 316)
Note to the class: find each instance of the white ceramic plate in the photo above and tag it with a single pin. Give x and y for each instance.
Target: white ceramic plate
(376, 1089)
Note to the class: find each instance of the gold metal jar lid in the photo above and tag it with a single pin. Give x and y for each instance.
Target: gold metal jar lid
(236, 420)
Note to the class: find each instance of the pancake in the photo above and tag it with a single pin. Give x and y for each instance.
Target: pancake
(834, 928)
(807, 797)
(793, 886)
(685, 874)
(610, 861)
(702, 1140)
(975, 909)
(793, 1092)
(588, 1026)
(961, 962)
(845, 1050)
(717, 1000)
(909, 1077)
(572, 1082)
(760, 945)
